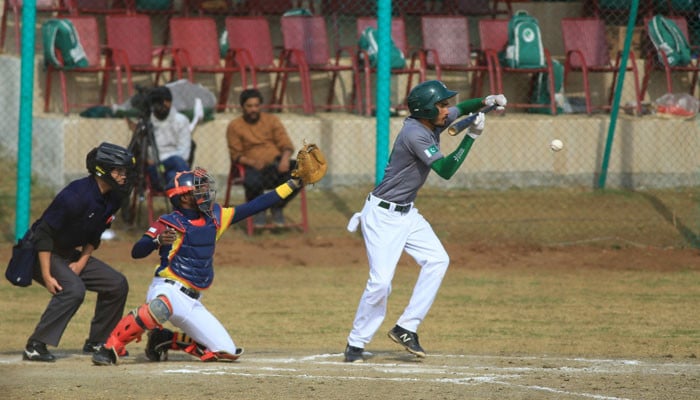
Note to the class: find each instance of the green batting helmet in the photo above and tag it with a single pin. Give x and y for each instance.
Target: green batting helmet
(421, 101)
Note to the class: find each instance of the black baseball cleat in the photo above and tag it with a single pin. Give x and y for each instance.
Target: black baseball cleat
(36, 351)
(407, 339)
(353, 354)
(91, 347)
(158, 344)
(105, 356)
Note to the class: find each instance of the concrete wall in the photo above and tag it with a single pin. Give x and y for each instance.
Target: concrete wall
(513, 152)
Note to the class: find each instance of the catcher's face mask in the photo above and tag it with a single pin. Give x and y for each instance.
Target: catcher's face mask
(204, 190)
(199, 184)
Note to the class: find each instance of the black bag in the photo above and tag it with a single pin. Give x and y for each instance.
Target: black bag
(21, 266)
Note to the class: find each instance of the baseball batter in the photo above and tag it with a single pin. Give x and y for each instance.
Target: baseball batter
(185, 240)
(391, 223)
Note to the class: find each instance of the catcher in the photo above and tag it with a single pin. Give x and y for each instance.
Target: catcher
(185, 240)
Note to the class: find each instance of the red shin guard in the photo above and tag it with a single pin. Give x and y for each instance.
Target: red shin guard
(130, 328)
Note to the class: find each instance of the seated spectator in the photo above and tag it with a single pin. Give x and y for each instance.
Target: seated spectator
(172, 133)
(259, 142)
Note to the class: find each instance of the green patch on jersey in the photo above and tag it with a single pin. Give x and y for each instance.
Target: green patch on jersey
(430, 151)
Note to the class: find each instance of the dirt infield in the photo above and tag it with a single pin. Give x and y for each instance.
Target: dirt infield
(510, 322)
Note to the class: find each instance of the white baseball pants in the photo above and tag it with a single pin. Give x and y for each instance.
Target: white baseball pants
(387, 233)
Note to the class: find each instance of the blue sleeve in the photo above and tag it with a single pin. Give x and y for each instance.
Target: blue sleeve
(143, 247)
(256, 205)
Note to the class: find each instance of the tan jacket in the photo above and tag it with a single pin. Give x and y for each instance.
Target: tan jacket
(266, 139)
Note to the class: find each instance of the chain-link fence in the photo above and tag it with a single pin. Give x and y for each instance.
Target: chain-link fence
(638, 183)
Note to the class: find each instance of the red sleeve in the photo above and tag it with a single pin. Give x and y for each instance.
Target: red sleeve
(156, 229)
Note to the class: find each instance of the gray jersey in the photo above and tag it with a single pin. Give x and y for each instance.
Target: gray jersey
(415, 149)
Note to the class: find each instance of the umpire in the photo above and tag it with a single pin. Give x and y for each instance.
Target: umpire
(65, 236)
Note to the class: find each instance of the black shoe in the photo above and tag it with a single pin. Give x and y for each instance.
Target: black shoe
(91, 347)
(36, 351)
(353, 354)
(159, 342)
(408, 339)
(105, 356)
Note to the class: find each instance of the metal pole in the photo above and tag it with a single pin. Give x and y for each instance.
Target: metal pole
(618, 93)
(24, 134)
(383, 86)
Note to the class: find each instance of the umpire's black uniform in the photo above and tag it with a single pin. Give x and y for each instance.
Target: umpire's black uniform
(77, 216)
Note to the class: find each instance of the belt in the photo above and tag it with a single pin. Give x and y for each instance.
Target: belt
(397, 207)
(190, 292)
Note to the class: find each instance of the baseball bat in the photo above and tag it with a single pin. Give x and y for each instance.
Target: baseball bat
(462, 124)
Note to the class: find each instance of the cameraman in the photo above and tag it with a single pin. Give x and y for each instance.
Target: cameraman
(172, 133)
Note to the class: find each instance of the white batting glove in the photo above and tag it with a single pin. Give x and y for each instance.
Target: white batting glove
(497, 99)
(477, 126)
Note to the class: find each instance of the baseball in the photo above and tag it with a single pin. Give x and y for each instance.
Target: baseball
(556, 145)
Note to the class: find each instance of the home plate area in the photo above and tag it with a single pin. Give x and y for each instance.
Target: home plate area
(511, 377)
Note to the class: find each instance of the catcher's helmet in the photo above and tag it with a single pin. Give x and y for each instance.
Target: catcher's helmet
(197, 181)
(422, 98)
(101, 160)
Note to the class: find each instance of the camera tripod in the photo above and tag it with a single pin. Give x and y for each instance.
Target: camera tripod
(143, 147)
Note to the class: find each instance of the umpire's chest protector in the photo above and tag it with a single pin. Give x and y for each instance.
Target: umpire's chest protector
(193, 260)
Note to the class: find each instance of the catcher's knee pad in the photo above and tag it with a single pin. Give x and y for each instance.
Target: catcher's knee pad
(160, 309)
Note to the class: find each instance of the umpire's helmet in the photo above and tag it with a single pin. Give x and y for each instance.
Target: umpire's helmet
(421, 101)
(197, 181)
(101, 160)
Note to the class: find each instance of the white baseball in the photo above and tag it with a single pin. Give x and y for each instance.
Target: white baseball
(556, 145)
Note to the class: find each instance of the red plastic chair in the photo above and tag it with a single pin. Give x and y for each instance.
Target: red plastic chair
(587, 52)
(416, 65)
(151, 193)
(48, 7)
(236, 176)
(135, 56)
(250, 37)
(307, 36)
(657, 61)
(494, 37)
(195, 48)
(87, 29)
(447, 49)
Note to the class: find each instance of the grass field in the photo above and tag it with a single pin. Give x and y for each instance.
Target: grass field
(510, 322)
(551, 294)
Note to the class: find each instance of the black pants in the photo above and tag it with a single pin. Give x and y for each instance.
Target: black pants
(258, 180)
(112, 289)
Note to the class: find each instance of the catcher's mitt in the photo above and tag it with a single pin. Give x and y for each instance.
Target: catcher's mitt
(311, 164)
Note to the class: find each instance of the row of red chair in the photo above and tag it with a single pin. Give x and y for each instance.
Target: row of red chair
(194, 49)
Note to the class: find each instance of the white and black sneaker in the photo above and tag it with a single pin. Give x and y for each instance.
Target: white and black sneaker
(354, 354)
(36, 351)
(407, 339)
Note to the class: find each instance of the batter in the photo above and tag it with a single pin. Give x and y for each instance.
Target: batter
(391, 223)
